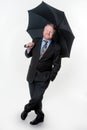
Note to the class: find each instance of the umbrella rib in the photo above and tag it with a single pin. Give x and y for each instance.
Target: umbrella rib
(40, 16)
(70, 33)
(51, 8)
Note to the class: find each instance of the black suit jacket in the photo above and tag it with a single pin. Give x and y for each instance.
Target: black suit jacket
(47, 67)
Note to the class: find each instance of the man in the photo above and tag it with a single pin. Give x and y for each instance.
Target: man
(45, 64)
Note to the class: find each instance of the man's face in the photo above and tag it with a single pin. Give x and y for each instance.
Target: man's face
(48, 32)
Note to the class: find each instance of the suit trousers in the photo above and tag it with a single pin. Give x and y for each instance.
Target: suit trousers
(37, 89)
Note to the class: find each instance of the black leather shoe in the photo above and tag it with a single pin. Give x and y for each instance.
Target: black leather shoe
(37, 120)
(24, 115)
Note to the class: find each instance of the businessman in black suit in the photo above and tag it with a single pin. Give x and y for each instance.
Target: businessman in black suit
(44, 66)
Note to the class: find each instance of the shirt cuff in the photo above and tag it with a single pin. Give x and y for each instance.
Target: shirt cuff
(28, 50)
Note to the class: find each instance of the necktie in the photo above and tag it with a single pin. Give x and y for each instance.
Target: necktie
(44, 48)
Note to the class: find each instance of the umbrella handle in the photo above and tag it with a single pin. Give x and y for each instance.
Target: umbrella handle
(26, 46)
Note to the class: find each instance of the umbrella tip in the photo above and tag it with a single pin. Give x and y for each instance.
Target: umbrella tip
(43, 1)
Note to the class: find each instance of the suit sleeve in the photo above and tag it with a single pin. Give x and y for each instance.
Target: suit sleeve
(56, 65)
(28, 55)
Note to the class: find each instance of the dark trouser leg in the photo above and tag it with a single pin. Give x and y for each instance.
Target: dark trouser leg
(31, 90)
(37, 89)
(38, 108)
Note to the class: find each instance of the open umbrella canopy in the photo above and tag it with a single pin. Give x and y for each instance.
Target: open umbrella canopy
(45, 14)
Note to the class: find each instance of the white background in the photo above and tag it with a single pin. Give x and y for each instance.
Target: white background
(65, 101)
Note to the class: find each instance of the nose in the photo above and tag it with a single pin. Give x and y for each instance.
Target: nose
(48, 32)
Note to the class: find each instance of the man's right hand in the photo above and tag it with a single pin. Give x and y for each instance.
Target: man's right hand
(30, 45)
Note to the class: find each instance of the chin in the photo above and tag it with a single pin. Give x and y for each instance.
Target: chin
(47, 38)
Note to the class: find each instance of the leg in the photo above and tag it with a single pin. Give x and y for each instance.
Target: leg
(36, 101)
(38, 107)
(37, 96)
(31, 88)
(25, 112)
(33, 102)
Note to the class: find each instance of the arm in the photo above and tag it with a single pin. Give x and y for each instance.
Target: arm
(30, 46)
(56, 65)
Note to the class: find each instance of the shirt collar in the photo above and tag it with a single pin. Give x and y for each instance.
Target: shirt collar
(49, 41)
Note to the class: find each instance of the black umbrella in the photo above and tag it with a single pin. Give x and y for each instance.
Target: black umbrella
(45, 14)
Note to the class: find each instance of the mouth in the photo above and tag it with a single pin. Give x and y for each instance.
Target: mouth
(47, 34)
